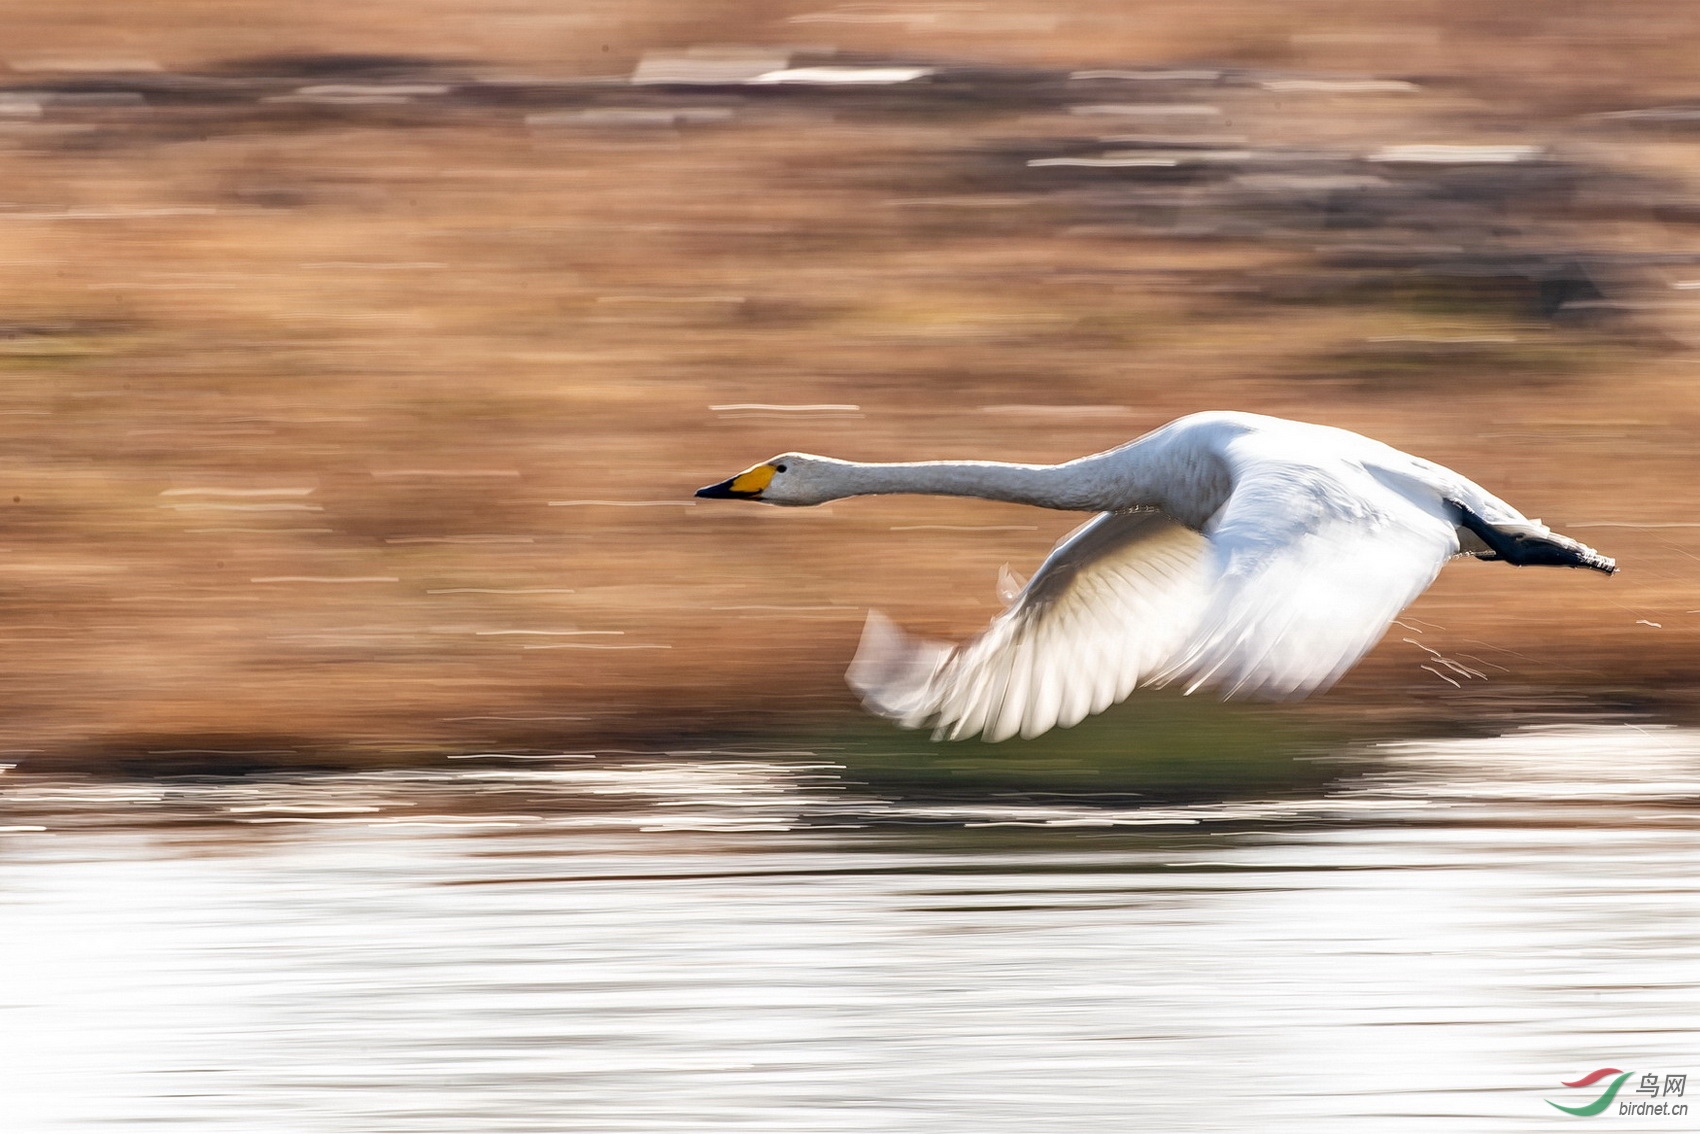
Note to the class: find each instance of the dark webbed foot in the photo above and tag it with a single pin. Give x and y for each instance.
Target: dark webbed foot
(1529, 548)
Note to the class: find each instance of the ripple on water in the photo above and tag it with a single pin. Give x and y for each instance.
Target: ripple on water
(1562, 772)
(709, 941)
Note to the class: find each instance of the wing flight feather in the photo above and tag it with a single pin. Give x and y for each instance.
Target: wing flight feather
(1113, 604)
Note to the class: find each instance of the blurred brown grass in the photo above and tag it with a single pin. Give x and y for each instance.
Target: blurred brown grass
(359, 435)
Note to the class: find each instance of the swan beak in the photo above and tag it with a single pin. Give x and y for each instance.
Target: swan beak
(723, 491)
(746, 485)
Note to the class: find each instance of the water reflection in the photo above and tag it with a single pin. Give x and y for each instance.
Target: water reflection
(710, 941)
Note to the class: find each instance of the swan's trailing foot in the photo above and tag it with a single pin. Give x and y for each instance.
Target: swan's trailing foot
(1530, 545)
(1246, 554)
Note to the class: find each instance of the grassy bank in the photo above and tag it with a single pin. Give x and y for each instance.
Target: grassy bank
(351, 407)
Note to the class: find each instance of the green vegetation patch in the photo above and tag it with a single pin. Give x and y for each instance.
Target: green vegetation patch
(1155, 748)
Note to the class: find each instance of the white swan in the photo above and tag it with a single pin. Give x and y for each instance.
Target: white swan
(1255, 555)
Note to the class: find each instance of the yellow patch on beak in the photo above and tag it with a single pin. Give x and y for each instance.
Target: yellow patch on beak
(747, 485)
(753, 481)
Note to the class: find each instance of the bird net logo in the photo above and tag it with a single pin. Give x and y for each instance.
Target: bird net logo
(1653, 1094)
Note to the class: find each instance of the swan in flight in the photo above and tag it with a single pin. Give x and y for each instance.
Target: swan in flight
(1254, 555)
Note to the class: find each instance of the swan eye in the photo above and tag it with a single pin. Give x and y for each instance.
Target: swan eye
(778, 468)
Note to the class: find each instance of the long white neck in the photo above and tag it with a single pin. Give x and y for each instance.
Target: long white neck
(1082, 486)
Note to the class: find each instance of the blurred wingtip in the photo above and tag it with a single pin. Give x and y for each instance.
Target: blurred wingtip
(1010, 584)
(893, 672)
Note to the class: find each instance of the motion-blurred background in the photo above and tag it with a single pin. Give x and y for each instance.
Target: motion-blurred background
(357, 361)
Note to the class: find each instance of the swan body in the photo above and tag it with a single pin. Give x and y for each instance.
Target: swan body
(1254, 555)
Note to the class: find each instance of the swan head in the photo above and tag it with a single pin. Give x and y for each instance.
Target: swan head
(792, 479)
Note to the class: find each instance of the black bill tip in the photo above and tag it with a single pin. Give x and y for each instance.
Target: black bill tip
(721, 491)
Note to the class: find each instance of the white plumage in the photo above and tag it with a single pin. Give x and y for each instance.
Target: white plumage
(1254, 555)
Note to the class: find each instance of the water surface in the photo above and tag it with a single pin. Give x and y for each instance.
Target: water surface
(714, 942)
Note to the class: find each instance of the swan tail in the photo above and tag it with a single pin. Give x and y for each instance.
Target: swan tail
(893, 672)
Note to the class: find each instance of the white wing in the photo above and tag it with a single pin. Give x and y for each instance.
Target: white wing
(1300, 574)
(1113, 605)
(1315, 564)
